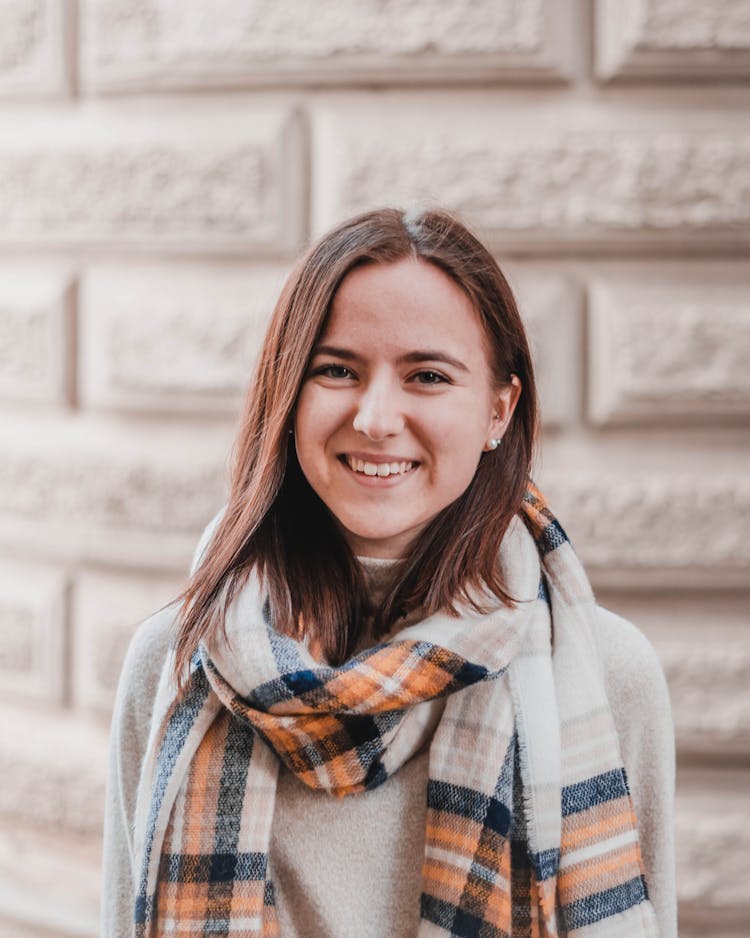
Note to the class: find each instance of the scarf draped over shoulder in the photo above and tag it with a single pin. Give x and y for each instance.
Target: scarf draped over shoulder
(530, 825)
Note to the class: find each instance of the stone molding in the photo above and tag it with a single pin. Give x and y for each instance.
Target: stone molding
(672, 39)
(33, 59)
(551, 307)
(153, 44)
(677, 529)
(36, 328)
(107, 608)
(50, 880)
(710, 695)
(669, 350)
(58, 783)
(33, 623)
(119, 180)
(527, 192)
(711, 832)
(88, 490)
(211, 321)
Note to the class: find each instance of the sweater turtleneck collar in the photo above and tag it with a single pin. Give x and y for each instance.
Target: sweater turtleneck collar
(379, 574)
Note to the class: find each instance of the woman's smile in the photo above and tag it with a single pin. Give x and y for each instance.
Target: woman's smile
(398, 404)
(378, 468)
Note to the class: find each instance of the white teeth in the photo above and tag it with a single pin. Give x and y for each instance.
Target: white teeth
(382, 470)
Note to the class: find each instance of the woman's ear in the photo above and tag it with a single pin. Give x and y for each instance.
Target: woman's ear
(504, 404)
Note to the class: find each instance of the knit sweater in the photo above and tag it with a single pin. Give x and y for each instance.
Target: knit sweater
(352, 866)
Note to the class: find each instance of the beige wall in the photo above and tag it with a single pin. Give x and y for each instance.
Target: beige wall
(160, 165)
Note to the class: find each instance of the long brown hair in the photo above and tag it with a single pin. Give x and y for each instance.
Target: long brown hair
(274, 522)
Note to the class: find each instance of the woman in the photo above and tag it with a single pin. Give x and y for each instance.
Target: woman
(387, 611)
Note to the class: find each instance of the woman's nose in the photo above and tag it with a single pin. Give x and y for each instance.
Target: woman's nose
(379, 413)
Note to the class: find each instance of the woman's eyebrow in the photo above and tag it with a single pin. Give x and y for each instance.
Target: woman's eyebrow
(335, 352)
(415, 357)
(430, 355)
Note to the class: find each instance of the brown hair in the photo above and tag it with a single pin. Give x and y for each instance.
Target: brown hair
(276, 523)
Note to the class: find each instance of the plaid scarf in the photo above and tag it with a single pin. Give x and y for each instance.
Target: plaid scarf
(530, 825)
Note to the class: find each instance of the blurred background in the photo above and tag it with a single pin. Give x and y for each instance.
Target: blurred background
(162, 163)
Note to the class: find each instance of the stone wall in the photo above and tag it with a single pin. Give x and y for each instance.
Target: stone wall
(160, 166)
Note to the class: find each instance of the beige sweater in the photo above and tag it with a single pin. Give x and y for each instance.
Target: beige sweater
(352, 866)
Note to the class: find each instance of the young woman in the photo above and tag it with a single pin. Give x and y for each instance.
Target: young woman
(387, 612)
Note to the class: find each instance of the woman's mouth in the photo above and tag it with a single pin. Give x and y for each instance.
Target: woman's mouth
(381, 469)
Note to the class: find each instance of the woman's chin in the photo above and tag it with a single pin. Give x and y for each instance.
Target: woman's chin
(379, 542)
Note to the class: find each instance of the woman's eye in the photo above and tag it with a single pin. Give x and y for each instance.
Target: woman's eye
(431, 377)
(334, 371)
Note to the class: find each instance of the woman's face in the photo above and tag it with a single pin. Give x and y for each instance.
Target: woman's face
(398, 404)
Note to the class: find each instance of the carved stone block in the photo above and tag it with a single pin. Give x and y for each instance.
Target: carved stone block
(710, 695)
(566, 188)
(32, 633)
(668, 350)
(711, 832)
(89, 490)
(35, 336)
(106, 610)
(173, 341)
(672, 39)
(657, 528)
(551, 308)
(32, 48)
(155, 44)
(199, 176)
(50, 883)
(57, 781)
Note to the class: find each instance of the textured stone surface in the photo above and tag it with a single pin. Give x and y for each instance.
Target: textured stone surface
(551, 310)
(704, 646)
(191, 347)
(12, 928)
(88, 490)
(35, 319)
(675, 349)
(679, 527)
(736, 927)
(106, 610)
(557, 190)
(711, 834)
(142, 43)
(58, 782)
(101, 492)
(49, 884)
(32, 632)
(710, 693)
(193, 177)
(672, 38)
(32, 47)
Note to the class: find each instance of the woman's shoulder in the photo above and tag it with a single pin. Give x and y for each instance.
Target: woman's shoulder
(627, 656)
(142, 668)
(638, 696)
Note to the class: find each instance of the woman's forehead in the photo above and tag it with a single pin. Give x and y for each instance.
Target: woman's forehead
(409, 304)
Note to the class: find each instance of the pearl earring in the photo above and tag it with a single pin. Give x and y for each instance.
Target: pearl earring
(494, 443)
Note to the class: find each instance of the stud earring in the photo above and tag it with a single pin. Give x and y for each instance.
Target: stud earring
(493, 444)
